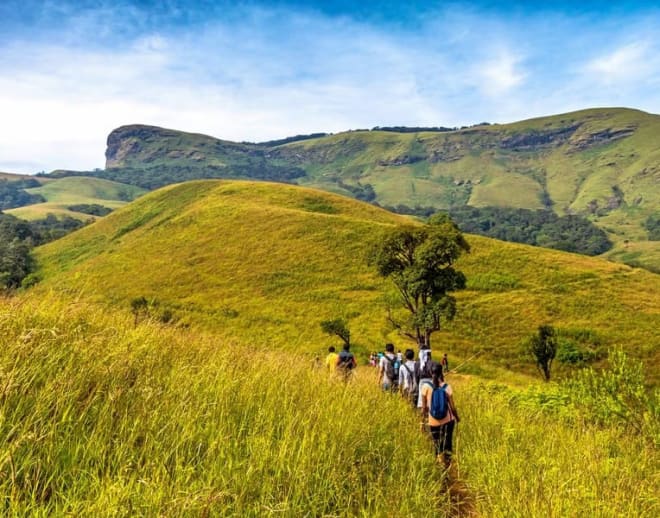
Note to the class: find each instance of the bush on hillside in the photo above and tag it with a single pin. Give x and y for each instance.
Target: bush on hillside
(652, 225)
(52, 227)
(16, 242)
(618, 395)
(338, 328)
(93, 209)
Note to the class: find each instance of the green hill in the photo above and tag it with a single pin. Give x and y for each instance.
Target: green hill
(603, 164)
(13, 176)
(62, 193)
(103, 416)
(266, 263)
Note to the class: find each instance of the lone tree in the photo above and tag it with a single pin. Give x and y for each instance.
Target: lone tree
(337, 327)
(139, 306)
(419, 259)
(543, 347)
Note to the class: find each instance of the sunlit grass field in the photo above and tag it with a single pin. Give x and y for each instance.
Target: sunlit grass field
(64, 192)
(266, 263)
(99, 417)
(223, 410)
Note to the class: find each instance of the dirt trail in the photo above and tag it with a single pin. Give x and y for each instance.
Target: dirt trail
(460, 496)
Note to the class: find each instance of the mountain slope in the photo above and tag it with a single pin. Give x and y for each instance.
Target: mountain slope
(268, 262)
(603, 164)
(62, 193)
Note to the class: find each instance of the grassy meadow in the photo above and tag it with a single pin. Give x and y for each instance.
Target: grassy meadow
(266, 263)
(223, 410)
(64, 192)
(99, 417)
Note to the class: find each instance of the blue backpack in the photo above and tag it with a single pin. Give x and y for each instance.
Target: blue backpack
(439, 402)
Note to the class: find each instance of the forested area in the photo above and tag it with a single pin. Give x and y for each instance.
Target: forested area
(161, 175)
(13, 194)
(532, 227)
(18, 237)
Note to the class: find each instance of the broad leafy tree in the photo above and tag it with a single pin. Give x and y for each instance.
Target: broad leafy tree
(337, 327)
(420, 261)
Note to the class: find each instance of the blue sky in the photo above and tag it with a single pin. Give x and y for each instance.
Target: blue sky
(73, 71)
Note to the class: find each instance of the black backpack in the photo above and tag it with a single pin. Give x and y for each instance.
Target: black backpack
(414, 376)
(392, 368)
(346, 360)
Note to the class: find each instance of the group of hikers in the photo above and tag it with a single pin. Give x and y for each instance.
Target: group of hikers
(421, 382)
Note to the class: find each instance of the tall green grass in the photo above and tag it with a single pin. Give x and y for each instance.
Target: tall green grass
(98, 418)
(532, 454)
(102, 418)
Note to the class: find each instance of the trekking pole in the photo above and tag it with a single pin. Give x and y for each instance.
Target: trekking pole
(455, 370)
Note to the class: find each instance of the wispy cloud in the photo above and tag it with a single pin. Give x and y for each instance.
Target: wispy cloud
(632, 62)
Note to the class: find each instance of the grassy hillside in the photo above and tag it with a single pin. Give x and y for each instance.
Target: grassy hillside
(266, 263)
(229, 416)
(101, 418)
(603, 164)
(13, 176)
(61, 193)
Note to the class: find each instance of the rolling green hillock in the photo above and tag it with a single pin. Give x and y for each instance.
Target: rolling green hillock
(266, 263)
(62, 193)
(603, 164)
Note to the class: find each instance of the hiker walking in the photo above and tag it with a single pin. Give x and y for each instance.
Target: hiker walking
(425, 378)
(445, 363)
(409, 378)
(388, 369)
(331, 359)
(346, 362)
(424, 356)
(438, 406)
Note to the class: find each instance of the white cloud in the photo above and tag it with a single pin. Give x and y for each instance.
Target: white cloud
(632, 62)
(500, 74)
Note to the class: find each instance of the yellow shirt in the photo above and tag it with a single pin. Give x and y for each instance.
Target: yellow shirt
(427, 394)
(331, 361)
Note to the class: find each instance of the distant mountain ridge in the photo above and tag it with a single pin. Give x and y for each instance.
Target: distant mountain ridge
(603, 164)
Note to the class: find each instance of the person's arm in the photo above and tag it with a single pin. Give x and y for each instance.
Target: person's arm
(452, 407)
(425, 403)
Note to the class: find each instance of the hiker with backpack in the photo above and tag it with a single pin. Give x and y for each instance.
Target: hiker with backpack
(424, 356)
(439, 408)
(346, 362)
(331, 359)
(409, 378)
(388, 369)
(425, 377)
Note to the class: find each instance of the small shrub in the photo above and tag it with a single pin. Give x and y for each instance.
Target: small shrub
(618, 395)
